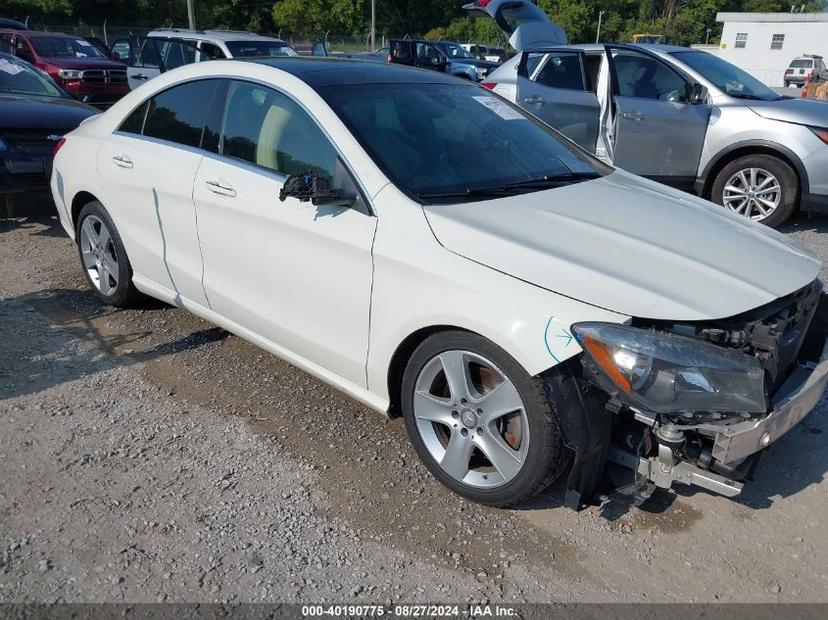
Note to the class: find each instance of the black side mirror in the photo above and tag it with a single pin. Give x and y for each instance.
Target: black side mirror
(310, 187)
(698, 94)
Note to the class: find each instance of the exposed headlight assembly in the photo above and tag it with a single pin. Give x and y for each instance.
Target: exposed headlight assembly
(665, 373)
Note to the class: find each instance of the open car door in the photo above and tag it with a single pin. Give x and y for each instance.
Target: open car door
(526, 25)
(554, 85)
(657, 117)
(147, 57)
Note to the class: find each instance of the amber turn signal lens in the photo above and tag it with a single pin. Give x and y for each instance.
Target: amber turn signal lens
(603, 356)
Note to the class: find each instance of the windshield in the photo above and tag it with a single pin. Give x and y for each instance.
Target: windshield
(727, 77)
(801, 64)
(452, 50)
(245, 49)
(20, 78)
(64, 47)
(445, 138)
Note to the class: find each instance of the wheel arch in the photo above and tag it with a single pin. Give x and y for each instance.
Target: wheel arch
(79, 201)
(752, 147)
(399, 360)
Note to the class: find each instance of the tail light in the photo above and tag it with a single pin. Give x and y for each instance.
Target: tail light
(489, 85)
(58, 146)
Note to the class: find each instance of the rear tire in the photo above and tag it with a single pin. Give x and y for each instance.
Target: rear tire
(103, 258)
(501, 458)
(755, 183)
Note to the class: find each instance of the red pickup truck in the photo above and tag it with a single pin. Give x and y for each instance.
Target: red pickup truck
(74, 63)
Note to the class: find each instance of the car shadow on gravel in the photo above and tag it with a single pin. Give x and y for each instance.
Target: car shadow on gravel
(37, 367)
(18, 214)
(814, 222)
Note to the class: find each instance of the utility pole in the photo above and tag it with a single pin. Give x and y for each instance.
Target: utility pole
(373, 25)
(598, 34)
(191, 14)
(707, 38)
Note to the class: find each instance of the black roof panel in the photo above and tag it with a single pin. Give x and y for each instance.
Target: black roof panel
(319, 72)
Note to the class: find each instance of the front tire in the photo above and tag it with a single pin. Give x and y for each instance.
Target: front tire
(103, 257)
(478, 421)
(761, 187)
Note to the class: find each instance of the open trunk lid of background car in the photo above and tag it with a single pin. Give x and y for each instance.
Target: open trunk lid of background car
(629, 245)
(526, 24)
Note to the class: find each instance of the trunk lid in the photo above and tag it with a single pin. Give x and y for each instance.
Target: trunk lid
(527, 25)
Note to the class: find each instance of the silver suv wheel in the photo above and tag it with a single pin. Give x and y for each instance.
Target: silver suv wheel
(752, 192)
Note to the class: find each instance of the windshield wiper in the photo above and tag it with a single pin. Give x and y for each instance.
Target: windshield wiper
(749, 96)
(510, 189)
(553, 180)
(468, 192)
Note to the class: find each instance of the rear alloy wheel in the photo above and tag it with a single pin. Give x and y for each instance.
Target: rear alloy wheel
(103, 257)
(761, 187)
(478, 421)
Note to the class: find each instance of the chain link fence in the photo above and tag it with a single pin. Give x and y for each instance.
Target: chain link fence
(108, 33)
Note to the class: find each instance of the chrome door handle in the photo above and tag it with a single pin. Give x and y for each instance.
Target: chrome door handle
(140, 76)
(220, 188)
(122, 160)
(633, 116)
(534, 100)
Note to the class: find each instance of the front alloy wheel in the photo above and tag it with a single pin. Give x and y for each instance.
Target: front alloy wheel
(752, 192)
(471, 419)
(759, 186)
(478, 421)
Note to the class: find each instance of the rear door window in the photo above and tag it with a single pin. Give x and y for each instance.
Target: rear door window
(556, 70)
(178, 114)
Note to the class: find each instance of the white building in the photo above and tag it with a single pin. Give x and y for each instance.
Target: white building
(763, 44)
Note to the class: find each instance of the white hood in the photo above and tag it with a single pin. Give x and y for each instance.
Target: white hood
(629, 245)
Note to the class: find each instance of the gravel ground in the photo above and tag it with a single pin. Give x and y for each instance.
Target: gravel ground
(149, 456)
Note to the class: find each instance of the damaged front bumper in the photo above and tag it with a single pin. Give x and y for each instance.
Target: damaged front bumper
(732, 449)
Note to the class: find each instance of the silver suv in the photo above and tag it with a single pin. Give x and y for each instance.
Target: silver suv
(167, 48)
(677, 115)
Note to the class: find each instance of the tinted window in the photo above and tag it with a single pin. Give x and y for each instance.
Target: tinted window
(148, 56)
(639, 75)
(432, 138)
(122, 48)
(266, 128)
(561, 71)
(244, 49)
(64, 47)
(210, 51)
(802, 64)
(178, 114)
(134, 123)
(176, 53)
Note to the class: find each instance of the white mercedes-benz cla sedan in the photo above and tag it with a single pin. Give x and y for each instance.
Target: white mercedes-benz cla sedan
(440, 254)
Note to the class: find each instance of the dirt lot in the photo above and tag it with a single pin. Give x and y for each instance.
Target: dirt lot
(148, 456)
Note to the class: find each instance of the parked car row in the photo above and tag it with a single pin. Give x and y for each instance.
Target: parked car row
(444, 56)
(437, 252)
(34, 115)
(680, 116)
